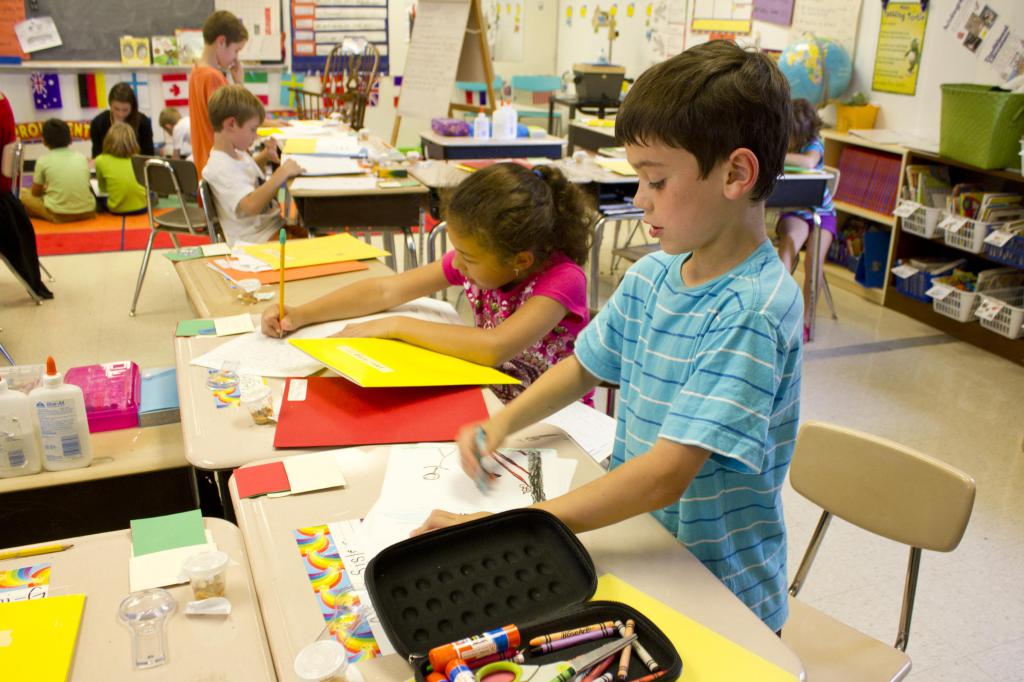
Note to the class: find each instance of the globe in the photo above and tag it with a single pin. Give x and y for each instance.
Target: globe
(805, 64)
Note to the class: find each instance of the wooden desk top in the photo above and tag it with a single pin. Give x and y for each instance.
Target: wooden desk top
(232, 647)
(115, 453)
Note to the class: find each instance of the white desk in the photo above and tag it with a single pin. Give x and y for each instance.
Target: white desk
(639, 551)
(232, 647)
(441, 147)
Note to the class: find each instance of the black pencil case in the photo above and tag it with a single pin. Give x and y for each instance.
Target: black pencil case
(521, 567)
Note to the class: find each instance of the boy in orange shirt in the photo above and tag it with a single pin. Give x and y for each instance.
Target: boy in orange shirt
(224, 36)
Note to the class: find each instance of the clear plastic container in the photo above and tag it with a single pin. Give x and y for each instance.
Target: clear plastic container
(224, 379)
(22, 378)
(207, 574)
(112, 393)
(259, 402)
(322, 661)
(145, 613)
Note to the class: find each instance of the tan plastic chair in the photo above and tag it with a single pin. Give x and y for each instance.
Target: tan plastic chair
(889, 490)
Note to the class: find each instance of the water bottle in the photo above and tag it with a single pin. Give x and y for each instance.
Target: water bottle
(481, 126)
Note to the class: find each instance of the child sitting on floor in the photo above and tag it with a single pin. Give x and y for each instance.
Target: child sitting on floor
(60, 191)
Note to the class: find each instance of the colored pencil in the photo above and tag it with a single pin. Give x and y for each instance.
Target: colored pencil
(33, 551)
(280, 295)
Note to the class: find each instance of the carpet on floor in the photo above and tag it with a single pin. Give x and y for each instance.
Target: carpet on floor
(58, 244)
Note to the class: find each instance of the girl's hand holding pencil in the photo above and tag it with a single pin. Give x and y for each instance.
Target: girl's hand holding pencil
(279, 327)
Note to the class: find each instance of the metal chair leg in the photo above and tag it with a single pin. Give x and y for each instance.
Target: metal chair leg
(174, 240)
(7, 356)
(412, 259)
(828, 297)
(142, 272)
(49, 277)
(389, 245)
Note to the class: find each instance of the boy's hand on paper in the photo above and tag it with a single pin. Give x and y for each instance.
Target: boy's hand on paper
(384, 328)
(440, 518)
(288, 169)
(273, 327)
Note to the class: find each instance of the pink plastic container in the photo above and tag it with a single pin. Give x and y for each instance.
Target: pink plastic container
(112, 393)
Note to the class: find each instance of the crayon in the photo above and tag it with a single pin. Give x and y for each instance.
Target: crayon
(645, 656)
(624, 658)
(608, 677)
(571, 641)
(651, 677)
(597, 670)
(458, 671)
(475, 647)
(555, 636)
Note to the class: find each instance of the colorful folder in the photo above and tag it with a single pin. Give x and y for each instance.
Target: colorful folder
(334, 412)
(386, 362)
(39, 637)
(305, 252)
(292, 274)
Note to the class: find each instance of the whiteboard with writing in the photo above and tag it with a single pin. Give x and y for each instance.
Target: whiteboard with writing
(433, 58)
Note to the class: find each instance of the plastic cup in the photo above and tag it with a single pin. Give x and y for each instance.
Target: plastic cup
(322, 661)
(207, 574)
(248, 288)
(579, 157)
(145, 613)
(259, 402)
(224, 379)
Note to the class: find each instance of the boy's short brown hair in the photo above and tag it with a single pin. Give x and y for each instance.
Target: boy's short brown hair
(169, 117)
(56, 133)
(234, 101)
(120, 141)
(710, 100)
(224, 23)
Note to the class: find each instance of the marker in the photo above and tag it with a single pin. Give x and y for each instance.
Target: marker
(624, 658)
(280, 296)
(645, 656)
(555, 636)
(567, 642)
(488, 467)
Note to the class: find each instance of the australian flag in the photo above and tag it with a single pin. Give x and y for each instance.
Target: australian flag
(46, 91)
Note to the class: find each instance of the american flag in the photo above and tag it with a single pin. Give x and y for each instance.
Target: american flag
(46, 91)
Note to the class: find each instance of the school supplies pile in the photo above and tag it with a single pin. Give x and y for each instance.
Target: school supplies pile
(305, 252)
(333, 412)
(450, 127)
(160, 546)
(39, 637)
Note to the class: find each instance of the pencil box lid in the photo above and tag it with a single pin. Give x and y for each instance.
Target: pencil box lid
(517, 567)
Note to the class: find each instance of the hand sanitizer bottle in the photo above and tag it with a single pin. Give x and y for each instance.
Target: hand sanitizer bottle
(19, 444)
(63, 424)
(481, 126)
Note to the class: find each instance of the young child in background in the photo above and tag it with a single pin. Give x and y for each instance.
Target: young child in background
(519, 239)
(246, 200)
(115, 173)
(179, 128)
(703, 337)
(60, 189)
(807, 151)
(224, 36)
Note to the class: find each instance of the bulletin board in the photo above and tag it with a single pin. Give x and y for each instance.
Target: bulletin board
(319, 25)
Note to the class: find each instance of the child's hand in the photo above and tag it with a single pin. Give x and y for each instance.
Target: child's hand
(237, 77)
(439, 519)
(276, 328)
(466, 440)
(288, 169)
(384, 328)
(272, 150)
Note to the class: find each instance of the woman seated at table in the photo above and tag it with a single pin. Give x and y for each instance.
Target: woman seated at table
(124, 108)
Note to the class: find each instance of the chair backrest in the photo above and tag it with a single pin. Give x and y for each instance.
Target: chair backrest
(350, 71)
(210, 211)
(537, 83)
(439, 233)
(11, 162)
(882, 486)
(167, 177)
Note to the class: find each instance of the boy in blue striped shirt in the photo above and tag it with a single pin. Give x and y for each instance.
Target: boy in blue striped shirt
(703, 336)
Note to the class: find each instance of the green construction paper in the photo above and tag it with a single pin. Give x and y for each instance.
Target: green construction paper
(196, 328)
(158, 533)
(188, 253)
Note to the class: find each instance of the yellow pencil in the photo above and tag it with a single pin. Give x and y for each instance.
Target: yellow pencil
(280, 295)
(32, 551)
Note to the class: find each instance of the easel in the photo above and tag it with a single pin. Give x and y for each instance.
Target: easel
(474, 58)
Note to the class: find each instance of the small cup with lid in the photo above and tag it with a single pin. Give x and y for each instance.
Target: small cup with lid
(207, 574)
(322, 661)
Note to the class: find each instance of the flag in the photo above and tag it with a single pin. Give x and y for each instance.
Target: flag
(141, 89)
(92, 91)
(256, 82)
(46, 91)
(290, 80)
(374, 98)
(398, 85)
(175, 89)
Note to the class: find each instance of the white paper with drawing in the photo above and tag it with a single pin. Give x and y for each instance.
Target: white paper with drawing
(271, 357)
(420, 478)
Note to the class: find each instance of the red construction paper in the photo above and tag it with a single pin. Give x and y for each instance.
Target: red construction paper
(261, 479)
(336, 413)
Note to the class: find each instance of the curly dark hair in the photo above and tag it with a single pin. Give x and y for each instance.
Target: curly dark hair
(805, 125)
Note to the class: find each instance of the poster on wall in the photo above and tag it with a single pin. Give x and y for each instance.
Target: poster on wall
(262, 19)
(319, 25)
(833, 19)
(774, 11)
(1007, 54)
(732, 16)
(971, 22)
(900, 42)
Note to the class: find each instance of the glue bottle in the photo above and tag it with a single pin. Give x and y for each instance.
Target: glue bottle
(481, 126)
(19, 444)
(63, 424)
(500, 122)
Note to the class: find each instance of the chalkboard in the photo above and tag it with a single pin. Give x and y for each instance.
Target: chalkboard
(91, 29)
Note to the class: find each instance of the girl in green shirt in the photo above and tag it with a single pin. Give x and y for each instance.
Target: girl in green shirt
(115, 174)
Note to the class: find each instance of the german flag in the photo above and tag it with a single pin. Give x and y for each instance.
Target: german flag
(92, 91)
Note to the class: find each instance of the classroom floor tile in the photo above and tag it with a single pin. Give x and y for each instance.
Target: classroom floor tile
(873, 370)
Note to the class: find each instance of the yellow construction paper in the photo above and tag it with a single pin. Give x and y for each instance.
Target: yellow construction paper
(619, 166)
(386, 362)
(40, 636)
(601, 123)
(267, 132)
(707, 656)
(299, 253)
(300, 145)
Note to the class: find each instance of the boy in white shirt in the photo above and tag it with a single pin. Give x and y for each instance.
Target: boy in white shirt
(178, 127)
(246, 200)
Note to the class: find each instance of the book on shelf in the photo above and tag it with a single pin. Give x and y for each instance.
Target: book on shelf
(870, 179)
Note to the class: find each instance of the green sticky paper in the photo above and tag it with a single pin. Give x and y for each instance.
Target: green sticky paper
(189, 253)
(196, 328)
(158, 533)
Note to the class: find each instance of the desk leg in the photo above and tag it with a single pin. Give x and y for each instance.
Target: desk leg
(551, 116)
(812, 269)
(211, 489)
(595, 258)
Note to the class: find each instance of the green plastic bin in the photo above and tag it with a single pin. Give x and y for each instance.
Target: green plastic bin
(981, 125)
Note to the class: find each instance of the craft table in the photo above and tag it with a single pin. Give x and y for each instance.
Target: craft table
(596, 106)
(440, 147)
(232, 647)
(590, 137)
(211, 295)
(639, 550)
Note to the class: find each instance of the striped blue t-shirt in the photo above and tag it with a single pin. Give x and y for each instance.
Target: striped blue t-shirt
(716, 366)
